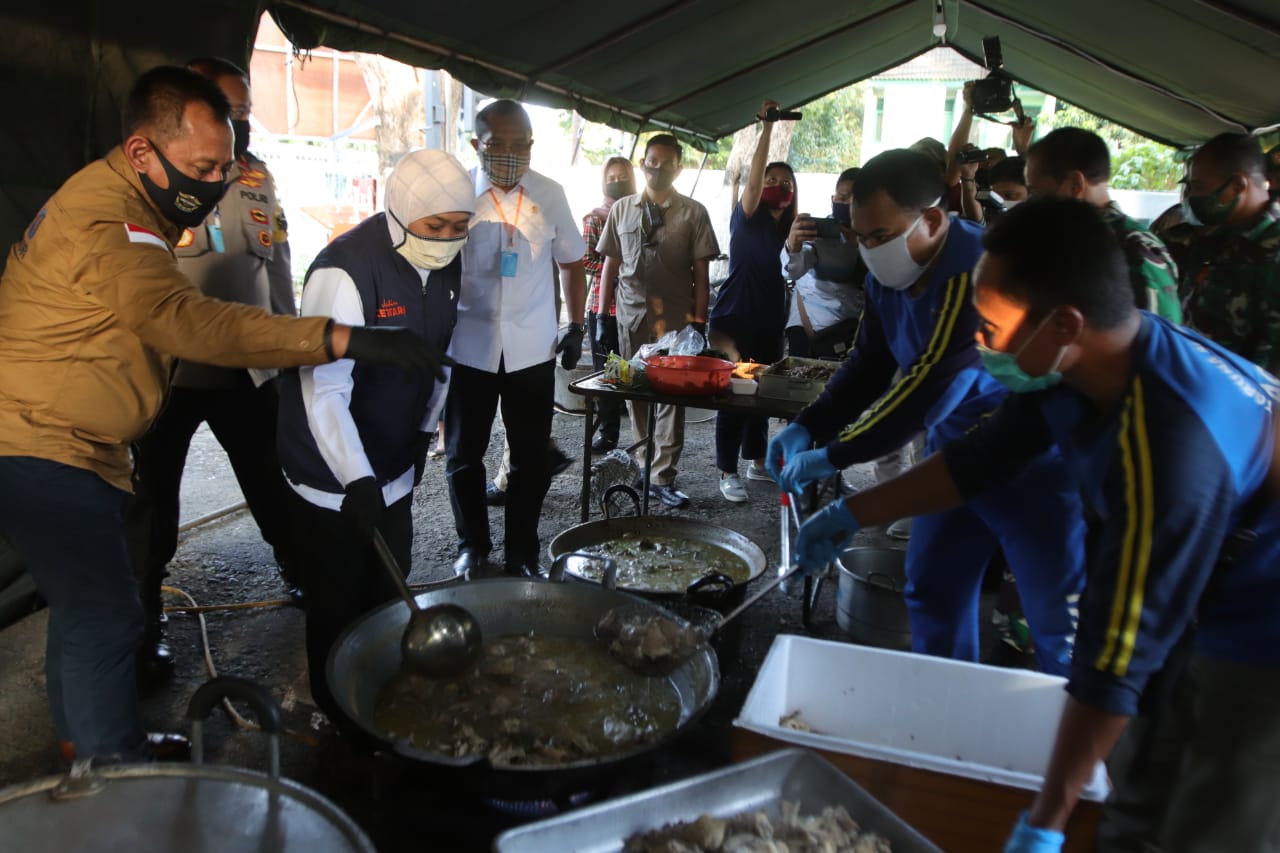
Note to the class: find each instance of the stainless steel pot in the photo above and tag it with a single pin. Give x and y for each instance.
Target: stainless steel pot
(870, 605)
(367, 655)
(709, 589)
(180, 807)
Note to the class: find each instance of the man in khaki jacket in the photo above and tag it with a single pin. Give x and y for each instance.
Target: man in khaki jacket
(93, 311)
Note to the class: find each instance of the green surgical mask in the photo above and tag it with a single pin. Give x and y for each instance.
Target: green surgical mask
(1004, 366)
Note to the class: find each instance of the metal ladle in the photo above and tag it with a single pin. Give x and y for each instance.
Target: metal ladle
(439, 641)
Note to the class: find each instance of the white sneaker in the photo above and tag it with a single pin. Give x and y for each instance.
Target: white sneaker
(758, 472)
(733, 489)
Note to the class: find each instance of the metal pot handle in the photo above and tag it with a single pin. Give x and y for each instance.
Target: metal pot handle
(889, 582)
(619, 489)
(713, 585)
(259, 700)
(610, 579)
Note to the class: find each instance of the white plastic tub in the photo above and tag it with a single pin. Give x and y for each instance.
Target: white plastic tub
(963, 719)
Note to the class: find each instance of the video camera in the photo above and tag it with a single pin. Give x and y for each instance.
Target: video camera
(993, 93)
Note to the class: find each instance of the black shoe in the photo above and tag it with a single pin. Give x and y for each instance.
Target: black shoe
(524, 569)
(557, 462)
(603, 445)
(494, 496)
(156, 661)
(669, 495)
(468, 564)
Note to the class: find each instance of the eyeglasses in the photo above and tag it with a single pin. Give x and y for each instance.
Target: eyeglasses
(492, 147)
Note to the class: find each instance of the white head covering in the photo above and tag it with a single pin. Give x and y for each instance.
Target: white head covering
(425, 183)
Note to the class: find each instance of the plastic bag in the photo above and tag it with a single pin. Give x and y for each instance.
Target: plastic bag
(689, 342)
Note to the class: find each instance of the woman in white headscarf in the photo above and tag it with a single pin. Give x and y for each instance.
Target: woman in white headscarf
(353, 439)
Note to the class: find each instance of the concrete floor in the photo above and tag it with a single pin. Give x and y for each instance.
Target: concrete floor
(225, 562)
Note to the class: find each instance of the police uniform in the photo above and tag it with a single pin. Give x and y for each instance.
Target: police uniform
(927, 340)
(239, 254)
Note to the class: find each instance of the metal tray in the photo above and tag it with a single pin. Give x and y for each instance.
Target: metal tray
(778, 387)
(795, 775)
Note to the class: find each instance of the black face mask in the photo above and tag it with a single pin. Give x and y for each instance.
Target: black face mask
(660, 178)
(618, 189)
(240, 146)
(187, 202)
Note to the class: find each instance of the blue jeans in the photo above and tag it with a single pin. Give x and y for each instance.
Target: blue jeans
(68, 525)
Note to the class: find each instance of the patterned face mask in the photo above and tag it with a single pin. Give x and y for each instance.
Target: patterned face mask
(504, 170)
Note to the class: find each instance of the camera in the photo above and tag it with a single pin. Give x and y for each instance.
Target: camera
(993, 93)
(827, 228)
(973, 155)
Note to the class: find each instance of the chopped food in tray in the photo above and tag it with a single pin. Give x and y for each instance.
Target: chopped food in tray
(832, 831)
(796, 722)
(748, 369)
(796, 368)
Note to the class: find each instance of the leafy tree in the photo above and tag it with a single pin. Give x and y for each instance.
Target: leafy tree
(1137, 163)
(829, 138)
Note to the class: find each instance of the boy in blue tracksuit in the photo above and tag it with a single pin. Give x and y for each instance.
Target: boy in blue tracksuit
(919, 320)
(1172, 439)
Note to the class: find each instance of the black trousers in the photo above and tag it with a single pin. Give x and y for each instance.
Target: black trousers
(243, 419)
(343, 579)
(526, 397)
(742, 434)
(610, 411)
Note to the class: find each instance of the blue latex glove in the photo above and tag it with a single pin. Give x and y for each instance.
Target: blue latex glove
(1033, 839)
(808, 467)
(790, 442)
(824, 536)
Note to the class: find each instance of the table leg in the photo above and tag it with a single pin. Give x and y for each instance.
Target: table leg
(652, 423)
(585, 497)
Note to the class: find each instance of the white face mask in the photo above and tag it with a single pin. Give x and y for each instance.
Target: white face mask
(427, 253)
(891, 263)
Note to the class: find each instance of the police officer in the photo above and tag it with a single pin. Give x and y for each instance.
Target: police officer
(93, 311)
(240, 253)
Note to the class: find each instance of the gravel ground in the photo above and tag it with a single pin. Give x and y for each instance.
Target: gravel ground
(225, 561)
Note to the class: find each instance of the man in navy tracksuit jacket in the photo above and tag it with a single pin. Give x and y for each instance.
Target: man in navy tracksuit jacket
(919, 321)
(1173, 442)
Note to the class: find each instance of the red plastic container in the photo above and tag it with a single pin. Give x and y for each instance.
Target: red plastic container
(688, 375)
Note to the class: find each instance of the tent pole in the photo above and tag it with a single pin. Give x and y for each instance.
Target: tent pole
(698, 177)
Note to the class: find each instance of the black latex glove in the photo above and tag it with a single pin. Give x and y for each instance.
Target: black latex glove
(569, 346)
(398, 348)
(421, 447)
(363, 506)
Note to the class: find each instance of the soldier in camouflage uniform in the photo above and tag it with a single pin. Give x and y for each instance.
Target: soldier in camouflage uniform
(1228, 249)
(1073, 163)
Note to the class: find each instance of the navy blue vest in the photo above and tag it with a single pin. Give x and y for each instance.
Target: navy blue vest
(386, 405)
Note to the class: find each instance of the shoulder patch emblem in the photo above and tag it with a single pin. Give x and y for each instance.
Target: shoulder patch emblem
(188, 237)
(253, 174)
(251, 182)
(138, 234)
(258, 215)
(264, 239)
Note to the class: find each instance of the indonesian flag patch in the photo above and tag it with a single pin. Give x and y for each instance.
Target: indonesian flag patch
(138, 234)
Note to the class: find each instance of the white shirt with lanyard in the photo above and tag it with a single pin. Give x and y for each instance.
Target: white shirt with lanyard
(506, 307)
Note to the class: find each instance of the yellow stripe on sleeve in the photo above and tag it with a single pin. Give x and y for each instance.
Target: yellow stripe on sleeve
(952, 305)
(1114, 625)
(1146, 528)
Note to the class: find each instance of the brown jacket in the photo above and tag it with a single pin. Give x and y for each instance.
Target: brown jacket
(93, 311)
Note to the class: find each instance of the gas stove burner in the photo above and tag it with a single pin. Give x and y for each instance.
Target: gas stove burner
(538, 808)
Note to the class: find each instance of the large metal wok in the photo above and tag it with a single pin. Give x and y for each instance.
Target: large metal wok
(367, 655)
(711, 588)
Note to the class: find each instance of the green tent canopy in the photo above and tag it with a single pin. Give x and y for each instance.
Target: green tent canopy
(1179, 71)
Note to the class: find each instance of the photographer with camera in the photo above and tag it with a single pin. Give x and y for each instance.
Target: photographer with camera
(821, 257)
(749, 316)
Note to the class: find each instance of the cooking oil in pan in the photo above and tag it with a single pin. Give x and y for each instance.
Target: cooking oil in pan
(531, 700)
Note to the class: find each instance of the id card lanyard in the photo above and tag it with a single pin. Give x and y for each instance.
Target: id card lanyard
(215, 231)
(510, 257)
